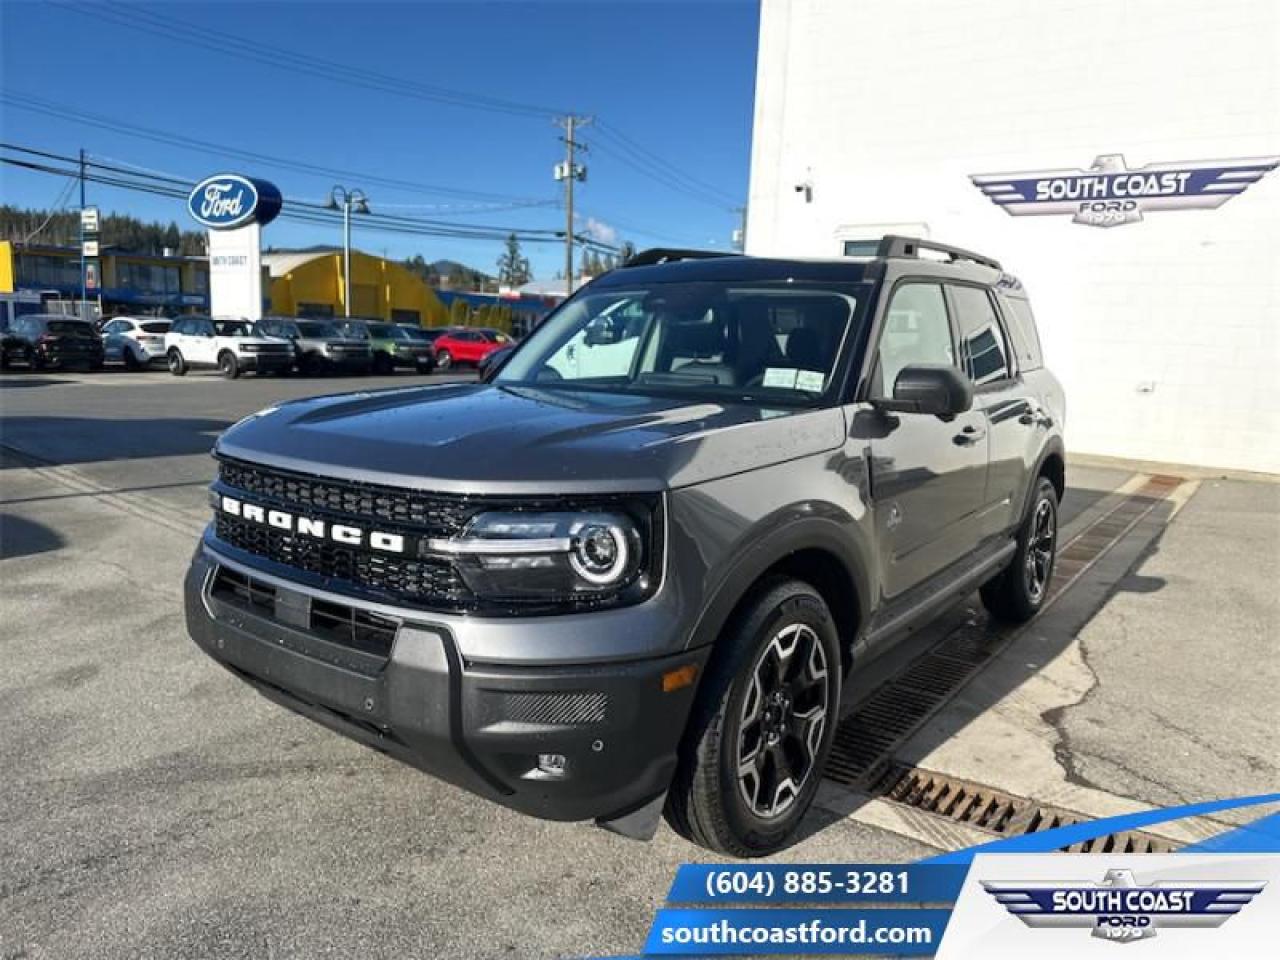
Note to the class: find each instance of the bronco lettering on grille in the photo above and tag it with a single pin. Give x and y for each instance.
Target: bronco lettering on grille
(309, 527)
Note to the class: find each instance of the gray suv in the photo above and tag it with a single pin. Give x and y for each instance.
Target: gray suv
(319, 345)
(631, 574)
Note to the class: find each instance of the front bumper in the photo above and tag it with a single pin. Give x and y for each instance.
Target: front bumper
(263, 362)
(478, 726)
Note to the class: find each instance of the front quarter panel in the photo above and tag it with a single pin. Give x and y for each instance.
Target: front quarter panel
(731, 531)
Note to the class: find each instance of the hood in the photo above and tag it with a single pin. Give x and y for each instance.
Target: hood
(477, 438)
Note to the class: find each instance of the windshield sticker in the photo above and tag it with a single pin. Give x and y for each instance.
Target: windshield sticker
(781, 377)
(811, 381)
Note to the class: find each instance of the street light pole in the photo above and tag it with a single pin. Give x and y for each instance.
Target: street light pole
(341, 196)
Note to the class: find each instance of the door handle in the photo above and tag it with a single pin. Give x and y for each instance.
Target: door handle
(968, 436)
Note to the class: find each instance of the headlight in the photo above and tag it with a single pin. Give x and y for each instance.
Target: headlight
(567, 558)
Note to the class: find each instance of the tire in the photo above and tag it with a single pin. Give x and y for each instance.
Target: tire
(382, 365)
(785, 633)
(130, 361)
(1017, 594)
(228, 365)
(444, 360)
(177, 365)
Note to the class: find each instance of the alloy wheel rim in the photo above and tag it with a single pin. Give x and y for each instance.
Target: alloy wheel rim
(784, 715)
(1039, 562)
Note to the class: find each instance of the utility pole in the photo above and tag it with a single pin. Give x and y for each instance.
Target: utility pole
(83, 291)
(568, 172)
(740, 235)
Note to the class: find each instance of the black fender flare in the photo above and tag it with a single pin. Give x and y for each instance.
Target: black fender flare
(787, 532)
(1053, 446)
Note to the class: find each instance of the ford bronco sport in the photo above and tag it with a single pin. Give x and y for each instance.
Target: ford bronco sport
(630, 574)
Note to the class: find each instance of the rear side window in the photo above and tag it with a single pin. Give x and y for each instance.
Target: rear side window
(156, 326)
(984, 354)
(1022, 330)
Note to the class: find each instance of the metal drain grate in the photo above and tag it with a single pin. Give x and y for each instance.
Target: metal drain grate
(867, 738)
(1000, 813)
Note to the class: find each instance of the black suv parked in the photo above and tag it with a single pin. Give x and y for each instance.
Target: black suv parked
(631, 573)
(43, 341)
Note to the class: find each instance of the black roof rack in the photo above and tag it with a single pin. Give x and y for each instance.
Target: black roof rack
(895, 247)
(654, 255)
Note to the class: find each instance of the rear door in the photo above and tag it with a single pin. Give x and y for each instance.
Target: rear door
(1001, 393)
(928, 473)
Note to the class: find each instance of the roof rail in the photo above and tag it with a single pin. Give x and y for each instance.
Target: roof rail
(654, 255)
(895, 247)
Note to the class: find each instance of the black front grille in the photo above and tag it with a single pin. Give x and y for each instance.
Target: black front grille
(433, 584)
(431, 514)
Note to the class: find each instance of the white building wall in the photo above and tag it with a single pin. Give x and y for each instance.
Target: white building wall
(1164, 332)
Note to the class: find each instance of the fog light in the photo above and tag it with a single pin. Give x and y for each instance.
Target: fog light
(553, 764)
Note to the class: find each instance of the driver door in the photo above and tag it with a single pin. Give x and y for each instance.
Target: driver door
(928, 473)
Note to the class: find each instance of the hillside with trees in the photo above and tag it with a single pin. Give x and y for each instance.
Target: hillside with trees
(61, 228)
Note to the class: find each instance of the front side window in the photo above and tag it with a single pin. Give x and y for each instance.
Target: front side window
(733, 341)
(916, 330)
(983, 352)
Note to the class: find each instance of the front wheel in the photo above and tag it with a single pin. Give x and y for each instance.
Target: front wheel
(752, 757)
(444, 360)
(228, 365)
(1017, 594)
(177, 365)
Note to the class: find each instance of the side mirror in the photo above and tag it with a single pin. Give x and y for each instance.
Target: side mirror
(490, 366)
(938, 389)
(598, 334)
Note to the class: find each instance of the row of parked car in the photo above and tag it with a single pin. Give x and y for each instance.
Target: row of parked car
(236, 346)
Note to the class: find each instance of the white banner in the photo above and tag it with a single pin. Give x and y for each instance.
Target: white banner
(1089, 905)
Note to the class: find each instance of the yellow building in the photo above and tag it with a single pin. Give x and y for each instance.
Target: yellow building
(310, 283)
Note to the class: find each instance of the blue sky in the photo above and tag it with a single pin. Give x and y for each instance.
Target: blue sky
(674, 78)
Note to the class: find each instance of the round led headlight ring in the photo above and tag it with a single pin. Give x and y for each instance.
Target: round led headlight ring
(599, 553)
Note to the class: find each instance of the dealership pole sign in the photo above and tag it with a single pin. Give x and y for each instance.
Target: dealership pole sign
(1109, 194)
(235, 208)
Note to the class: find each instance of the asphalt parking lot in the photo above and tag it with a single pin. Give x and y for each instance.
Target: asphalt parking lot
(153, 806)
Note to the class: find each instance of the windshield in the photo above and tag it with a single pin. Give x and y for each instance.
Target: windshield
(383, 331)
(232, 328)
(770, 342)
(314, 328)
(417, 333)
(355, 329)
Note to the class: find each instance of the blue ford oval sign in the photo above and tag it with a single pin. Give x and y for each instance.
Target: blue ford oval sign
(229, 200)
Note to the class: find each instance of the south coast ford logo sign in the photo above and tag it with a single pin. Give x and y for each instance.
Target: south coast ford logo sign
(1121, 909)
(229, 200)
(1109, 194)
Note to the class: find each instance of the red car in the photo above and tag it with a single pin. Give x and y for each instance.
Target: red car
(467, 346)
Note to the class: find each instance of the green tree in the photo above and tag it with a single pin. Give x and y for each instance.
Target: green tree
(513, 266)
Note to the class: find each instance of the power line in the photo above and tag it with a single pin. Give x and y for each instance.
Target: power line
(307, 214)
(625, 148)
(35, 104)
(172, 28)
(661, 167)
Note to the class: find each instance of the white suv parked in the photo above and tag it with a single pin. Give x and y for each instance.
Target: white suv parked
(136, 342)
(228, 343)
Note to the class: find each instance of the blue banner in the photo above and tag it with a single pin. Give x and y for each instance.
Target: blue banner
(704, 933)
(817, 883)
